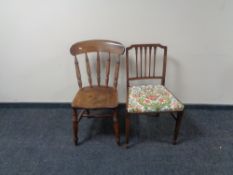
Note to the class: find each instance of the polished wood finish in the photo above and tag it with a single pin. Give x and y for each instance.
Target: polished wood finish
(88, 69)
(97, 46)
(108, 63)
(116, 127)
(78, 74)
(75, 126)
(98, 68)
(116, 73)
(148, 73)
(96, 96)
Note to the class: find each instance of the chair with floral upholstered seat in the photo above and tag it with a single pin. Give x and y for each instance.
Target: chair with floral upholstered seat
(148, 62)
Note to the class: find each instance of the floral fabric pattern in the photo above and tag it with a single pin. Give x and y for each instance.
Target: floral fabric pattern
(152, 98)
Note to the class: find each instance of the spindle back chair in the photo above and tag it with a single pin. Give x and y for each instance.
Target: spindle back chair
(101, 95)
(149, 98)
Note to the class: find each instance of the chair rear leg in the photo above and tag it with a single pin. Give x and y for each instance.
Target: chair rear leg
(116, 127)
(177, 127)
(127, 128)
(75, 126)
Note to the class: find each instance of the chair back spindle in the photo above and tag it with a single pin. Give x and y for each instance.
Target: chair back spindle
(78, 75)
(88, 69)
(149, 59)
(141, 59)
(145, 69)
(155, 49)
(116, 72)
(108, 63)
(136, 51)
(99, 47)
(98, 68)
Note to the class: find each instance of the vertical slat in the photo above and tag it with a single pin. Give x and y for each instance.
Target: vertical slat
(136, 51)
(88, 69)
(155, 48)
(141, 59)
(116, 72)
(127, 67)
(108, 69)
(145, 50)
(78, 75)
(98, 68)
(149, 59)
(164, 65)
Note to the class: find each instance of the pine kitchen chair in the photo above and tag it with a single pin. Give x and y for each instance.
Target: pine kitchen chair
(141, 65)
(103, 54)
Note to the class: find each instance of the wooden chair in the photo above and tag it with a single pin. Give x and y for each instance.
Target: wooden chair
(149, 99)
(101, 96)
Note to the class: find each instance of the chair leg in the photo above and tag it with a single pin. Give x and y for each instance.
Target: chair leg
(87, 111)
(177, 127)
(116, 127)
(75, 126)
(127, 128)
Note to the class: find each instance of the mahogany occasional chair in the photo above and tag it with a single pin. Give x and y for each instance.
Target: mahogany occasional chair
(142, 65)
(102, 54)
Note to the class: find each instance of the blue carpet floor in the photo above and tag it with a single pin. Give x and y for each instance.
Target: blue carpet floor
(38, 141)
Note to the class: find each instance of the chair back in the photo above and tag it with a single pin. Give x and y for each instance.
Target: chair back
(144, 62)
(112, 49)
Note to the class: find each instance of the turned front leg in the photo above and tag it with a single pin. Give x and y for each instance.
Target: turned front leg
(75, 126)
(116, 127)
(127, 128)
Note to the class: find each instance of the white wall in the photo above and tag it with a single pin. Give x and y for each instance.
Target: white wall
(35, 37)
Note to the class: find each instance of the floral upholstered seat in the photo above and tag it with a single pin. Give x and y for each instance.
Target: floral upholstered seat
(152, 98)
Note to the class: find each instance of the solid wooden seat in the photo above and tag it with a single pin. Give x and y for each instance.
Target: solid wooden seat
(97, 54)
(96, 97)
